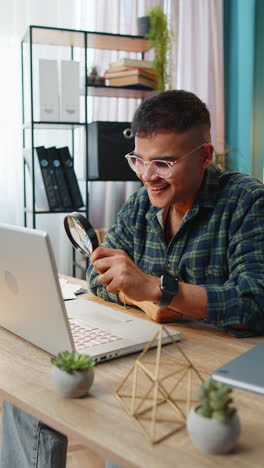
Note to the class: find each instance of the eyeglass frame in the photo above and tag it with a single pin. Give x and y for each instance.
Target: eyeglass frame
(170, 164)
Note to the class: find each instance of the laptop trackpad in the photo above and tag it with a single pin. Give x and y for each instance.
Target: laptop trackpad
(97, 314)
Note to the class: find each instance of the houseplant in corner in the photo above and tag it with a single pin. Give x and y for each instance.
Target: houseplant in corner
(214, 425)
(160, 37)
(72, 374)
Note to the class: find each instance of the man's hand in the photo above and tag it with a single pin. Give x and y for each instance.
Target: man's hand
(158, 314)
(119, 273)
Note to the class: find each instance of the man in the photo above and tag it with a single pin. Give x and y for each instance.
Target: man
(190, 242)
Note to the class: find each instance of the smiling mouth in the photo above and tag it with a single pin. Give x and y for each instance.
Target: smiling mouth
(157, 188)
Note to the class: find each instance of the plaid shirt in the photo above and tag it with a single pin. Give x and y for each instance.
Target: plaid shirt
(219, 245)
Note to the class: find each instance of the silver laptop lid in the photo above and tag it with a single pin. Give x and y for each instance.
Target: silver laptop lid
(29, 289)
(245, 371)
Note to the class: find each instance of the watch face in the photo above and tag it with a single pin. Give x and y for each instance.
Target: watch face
(169, 284)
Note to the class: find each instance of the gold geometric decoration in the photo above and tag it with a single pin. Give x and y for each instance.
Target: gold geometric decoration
(157, 391)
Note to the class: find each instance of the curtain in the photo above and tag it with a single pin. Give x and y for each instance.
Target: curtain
(200, 57)
(244, 73)
(15, 17)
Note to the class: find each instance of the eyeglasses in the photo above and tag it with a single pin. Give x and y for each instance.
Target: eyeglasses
(161, 168)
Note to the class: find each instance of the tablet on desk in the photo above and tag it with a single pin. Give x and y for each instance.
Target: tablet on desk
(245, 372)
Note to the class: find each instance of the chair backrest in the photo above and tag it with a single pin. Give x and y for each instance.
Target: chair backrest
(100, 234)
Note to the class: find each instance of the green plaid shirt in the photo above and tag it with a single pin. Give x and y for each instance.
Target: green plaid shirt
(219, 245)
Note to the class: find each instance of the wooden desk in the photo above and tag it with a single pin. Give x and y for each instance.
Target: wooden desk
(101, 424)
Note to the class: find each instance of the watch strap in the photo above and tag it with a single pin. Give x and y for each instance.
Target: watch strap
(165, 299)
(170, 291)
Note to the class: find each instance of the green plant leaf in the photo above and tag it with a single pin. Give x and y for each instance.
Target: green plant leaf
(72, 361)
(215, 400)
(219, 416)
(160, 37)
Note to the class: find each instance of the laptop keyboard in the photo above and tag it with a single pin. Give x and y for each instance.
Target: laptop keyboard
(86, 336)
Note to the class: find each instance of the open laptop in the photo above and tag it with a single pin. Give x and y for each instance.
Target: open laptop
(32, 306)
(245, 371)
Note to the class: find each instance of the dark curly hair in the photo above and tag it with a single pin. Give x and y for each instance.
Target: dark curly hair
(176, 110)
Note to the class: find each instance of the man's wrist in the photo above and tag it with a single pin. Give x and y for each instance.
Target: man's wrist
(155, 291)
(169, 286)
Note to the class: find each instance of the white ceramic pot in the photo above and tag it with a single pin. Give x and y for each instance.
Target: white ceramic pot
(143, 25)
(212, 436)
(72, 385)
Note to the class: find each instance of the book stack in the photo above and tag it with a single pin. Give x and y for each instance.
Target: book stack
(131, 73)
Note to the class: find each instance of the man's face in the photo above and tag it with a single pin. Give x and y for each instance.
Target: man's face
(186, 177)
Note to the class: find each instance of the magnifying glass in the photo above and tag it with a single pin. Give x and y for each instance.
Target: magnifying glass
(81, 233)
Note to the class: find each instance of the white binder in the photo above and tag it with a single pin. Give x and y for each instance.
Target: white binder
(70, 91)
(48, 90)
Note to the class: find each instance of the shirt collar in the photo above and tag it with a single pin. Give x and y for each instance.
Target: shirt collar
(207, 195)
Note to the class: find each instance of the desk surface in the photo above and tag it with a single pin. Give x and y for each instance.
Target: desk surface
(99, 421)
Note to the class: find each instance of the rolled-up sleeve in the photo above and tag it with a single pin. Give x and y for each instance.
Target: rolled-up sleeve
(240, 300)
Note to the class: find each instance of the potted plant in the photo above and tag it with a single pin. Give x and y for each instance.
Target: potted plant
(160, 38)
(214, 425)
(94, 77)
(221, 158)
(72, 374)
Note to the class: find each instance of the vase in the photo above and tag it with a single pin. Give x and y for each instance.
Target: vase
(143, 25)
(212, 436)
(74, 384)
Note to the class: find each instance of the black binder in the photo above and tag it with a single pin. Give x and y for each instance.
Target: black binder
(70, 176)
(49, 179)
(64, 193)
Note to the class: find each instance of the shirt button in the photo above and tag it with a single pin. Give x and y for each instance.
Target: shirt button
(169, 265)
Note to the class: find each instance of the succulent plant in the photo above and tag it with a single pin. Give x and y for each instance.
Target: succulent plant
(215, 401)
(94, 71)
(70, 361)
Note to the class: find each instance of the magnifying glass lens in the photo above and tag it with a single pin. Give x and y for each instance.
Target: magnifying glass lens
(80, 233)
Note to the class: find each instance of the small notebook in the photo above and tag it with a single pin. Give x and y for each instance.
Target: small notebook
(245, 372)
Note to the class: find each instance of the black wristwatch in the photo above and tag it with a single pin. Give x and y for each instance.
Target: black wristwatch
(169, 286)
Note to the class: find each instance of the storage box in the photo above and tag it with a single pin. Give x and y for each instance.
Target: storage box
(108, 143)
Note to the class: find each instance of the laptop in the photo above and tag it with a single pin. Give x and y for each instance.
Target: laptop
(245, 371)
(32, 306)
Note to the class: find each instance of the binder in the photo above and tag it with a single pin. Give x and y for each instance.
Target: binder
(49, 179)
(48, 90)
(41, 200)
(64, 193)
(70, 91)
(70, 176)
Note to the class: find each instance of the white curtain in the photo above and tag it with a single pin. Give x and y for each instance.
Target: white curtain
(15, 17)
(200, 56)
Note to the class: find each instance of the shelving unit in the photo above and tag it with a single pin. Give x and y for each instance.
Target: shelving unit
(70, 45)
